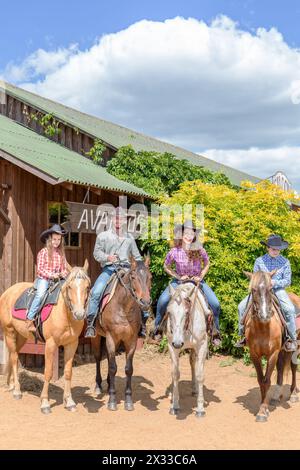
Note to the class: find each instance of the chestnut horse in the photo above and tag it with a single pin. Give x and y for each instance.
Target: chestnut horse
(62, 328)
(288, 360)
(263, 331)
(120, 323)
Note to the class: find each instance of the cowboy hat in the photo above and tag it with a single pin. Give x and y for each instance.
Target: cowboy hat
(275, 241)
(54, 229)
(187, 224)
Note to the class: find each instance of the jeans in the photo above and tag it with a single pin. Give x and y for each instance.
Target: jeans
(41, 286)
(165, 298)
(97, 292)
(287, 307)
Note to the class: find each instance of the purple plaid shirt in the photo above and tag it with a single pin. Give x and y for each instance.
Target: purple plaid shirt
(185, 267)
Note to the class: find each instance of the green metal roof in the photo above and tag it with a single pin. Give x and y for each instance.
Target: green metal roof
(56, 161)
(117, 136)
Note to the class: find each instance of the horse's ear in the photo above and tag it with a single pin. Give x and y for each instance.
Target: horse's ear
(133, 263)
(86, 266)
(147, 260)
(273, 272)
(172, 290)
(248, 275)
(69, 267)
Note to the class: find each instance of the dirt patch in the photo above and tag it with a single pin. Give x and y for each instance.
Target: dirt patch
(231, 393)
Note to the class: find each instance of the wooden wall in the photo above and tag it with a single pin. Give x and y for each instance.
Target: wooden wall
(71, 138)
(26, 204)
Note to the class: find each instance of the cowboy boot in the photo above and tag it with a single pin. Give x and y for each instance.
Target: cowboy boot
(90, 331)
(143, 332)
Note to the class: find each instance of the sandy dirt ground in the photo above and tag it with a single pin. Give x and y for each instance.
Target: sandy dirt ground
(231, 393)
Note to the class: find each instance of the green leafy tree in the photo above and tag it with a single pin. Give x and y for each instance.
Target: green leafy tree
(158, 174)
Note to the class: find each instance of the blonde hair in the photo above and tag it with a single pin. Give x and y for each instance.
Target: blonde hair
(60, 248)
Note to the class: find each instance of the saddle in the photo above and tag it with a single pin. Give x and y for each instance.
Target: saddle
(23, 304)
(108, 292)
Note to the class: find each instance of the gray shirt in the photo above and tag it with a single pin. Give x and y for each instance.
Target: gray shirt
(109, 243)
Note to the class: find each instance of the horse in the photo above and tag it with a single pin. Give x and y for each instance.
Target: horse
(263, 331)
(62, 328)
(186, 329)
(120, 322)
(288, 360)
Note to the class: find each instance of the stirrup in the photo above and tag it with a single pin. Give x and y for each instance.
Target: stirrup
(90, 332)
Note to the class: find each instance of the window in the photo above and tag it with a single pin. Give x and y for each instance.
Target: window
(57, 214)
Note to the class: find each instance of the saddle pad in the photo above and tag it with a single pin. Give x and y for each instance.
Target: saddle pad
(21, 314)
(109, 291)
(26, 298)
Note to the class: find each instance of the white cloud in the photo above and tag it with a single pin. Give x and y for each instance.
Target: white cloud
(262, 162)
(196, 85)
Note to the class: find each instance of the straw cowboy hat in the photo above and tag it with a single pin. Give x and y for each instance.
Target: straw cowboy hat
(275, 241)
(54, 229)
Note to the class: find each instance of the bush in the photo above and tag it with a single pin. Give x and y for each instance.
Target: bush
(235, 223)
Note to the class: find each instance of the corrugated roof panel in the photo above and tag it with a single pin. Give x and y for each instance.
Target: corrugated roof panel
(56, 160)
(118, 136)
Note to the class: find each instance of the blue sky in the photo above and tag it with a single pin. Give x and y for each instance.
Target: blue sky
(220, 78)
(29, 25)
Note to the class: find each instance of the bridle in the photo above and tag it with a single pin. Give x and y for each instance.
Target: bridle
(121, 268)
(64, 291)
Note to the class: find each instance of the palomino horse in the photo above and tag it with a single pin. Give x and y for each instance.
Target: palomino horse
(263, 331)
(288, 360)
(186, 329)
(120, 323)
(62, 328)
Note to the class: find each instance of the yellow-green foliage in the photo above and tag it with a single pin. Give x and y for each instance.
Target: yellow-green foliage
(235, 222)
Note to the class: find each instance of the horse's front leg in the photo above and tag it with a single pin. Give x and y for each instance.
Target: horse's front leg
(48, 373)
(192, 357)
(130, 350)
(174, 353)
(69, 353)
(112, 370)
(96, 347)
(200, 361)
(294, 398)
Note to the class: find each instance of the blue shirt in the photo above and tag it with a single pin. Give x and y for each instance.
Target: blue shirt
(267, 263)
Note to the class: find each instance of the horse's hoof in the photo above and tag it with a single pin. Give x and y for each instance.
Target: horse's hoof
(200, 414)
(261, 419)
(46, 410)
(71, 408)
(17, 396)
(294, 399)
(174, 411)
(112, 406)
(128, 406)
(98, 390)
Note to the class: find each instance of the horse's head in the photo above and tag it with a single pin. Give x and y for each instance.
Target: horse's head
(261, 292)
(76, 290)
(178, 311)
(140, 281)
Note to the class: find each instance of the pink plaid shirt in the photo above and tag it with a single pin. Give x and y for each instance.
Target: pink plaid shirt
(184, 266)
(47, 269)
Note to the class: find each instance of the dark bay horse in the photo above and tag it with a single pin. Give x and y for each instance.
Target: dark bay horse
(62, 328)
(263, 331)
(120, 323)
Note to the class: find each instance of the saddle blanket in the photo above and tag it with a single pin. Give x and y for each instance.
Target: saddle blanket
(24, 302)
